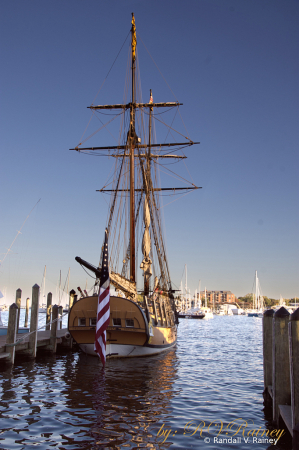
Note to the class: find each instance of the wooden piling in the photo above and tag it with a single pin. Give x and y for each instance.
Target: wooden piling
(267, 355)
(60, 312)
(49, 308)
(53, 337)
(27, 312)
(294, 368)
(295, 441)
(12, 331)
(281, 362)
(18, 303)
(34, 321)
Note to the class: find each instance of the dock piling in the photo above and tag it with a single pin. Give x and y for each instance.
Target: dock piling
(18, 303)
(12, 331)
(268, 358)
(34, 321)
(281, 362)
(49, 307)
(27, 312)
(294, 368)
(60, 312)
(54, 326)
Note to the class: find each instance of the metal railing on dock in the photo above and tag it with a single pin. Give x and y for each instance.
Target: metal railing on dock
(281, 368)
(28, 343)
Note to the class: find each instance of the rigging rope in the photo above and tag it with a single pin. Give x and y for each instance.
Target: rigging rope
(111, 66)
(157, 68)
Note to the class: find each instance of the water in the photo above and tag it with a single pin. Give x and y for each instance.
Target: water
(212, 381)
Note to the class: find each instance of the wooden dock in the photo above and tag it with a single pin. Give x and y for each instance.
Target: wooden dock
(43, 342)
(29, 343)
(281, 368)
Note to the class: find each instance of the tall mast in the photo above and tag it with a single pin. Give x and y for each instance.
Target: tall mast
(132, 137)
(147, 176)
(134, 143)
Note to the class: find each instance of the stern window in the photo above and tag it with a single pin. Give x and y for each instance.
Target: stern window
(117, 322)
(130, 323)
(93, 322)
(81, 322)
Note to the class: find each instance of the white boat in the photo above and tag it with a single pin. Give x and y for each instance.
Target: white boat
(208, 313)
(143, 316)
(238, 311)
(258, 301)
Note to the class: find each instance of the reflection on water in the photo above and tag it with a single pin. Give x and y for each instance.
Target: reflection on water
(67, 401)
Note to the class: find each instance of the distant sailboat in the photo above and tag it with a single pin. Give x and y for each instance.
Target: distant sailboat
(258, 300)
(43, 305)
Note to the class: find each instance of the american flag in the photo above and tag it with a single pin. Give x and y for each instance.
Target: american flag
(103, 313)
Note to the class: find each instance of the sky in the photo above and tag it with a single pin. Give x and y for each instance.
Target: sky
(234, 66)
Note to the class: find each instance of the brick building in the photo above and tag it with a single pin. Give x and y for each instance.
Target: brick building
(218, 297)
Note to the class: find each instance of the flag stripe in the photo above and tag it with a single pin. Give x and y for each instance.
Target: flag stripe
(103, 310)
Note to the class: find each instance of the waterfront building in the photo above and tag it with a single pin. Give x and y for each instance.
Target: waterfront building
(217, 297)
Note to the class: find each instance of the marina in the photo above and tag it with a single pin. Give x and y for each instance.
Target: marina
(135, 359)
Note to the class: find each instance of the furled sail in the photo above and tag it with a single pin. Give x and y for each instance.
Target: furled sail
(146, 264)
(123, 284)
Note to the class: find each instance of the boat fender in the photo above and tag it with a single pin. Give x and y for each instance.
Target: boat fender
(67, 335)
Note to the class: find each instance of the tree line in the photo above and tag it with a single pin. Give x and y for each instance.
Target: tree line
(248, 298)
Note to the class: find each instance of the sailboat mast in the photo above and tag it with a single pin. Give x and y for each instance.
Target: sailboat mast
(199, 299)
(256, 290)
(132, 135)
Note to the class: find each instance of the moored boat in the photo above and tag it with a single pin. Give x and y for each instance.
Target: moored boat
(143, 317)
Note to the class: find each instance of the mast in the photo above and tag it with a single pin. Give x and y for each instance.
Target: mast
(186, 294)
(256, 291)
(199, 300)
(132, 135)
(146, 264)
(131, 150)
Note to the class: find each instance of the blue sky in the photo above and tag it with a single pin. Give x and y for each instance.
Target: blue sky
(234, 66)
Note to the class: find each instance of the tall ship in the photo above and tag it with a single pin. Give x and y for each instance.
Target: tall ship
(143, 315)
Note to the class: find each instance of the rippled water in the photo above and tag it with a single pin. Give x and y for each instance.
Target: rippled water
(212, 381)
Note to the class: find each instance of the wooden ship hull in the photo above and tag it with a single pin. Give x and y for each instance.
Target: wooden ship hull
(130, 333)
